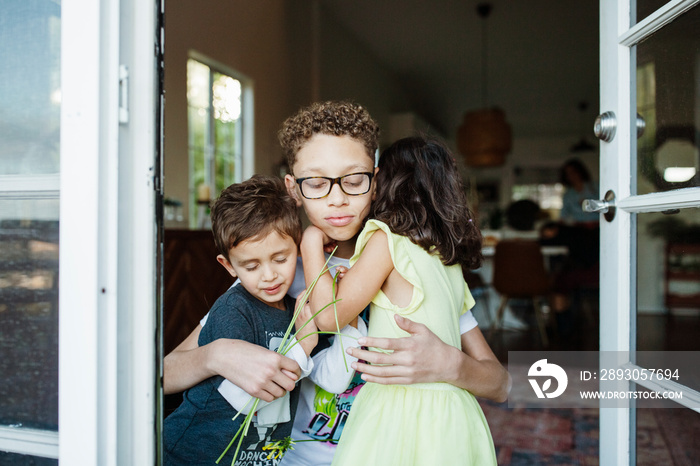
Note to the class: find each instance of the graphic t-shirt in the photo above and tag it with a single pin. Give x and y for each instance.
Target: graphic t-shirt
(199, 430)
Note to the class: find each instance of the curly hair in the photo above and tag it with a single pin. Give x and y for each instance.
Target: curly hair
(253, 209)
(420, 195)
(335, 118)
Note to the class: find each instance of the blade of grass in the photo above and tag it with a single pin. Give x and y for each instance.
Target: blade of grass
(337, 325)
(242, 431)
(305, 298)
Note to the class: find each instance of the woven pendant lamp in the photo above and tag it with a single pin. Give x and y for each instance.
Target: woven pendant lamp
(485, 137)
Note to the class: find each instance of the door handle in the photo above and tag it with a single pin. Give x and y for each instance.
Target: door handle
(605, 126)
(605, 206)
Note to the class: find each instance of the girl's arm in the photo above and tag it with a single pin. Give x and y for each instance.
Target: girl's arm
(357, 288)
(262, 373)
(423, 357)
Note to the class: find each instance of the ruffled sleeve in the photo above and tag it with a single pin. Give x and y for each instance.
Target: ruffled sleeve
(398, 248)
(468, 301)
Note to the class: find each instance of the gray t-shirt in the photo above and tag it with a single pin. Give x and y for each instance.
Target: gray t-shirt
(199, 430)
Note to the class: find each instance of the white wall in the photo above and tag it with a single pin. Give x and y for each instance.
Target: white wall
(249, 37)
(271, 42)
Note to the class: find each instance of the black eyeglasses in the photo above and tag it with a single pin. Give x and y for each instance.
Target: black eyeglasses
(316, 187)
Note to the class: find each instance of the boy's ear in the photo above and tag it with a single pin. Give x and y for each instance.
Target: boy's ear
(291, 185)
(227, 265)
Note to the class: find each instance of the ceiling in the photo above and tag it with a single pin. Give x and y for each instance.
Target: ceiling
(541, 55)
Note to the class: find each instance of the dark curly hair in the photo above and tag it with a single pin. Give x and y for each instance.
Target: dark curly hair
(335, 118)
(420, 195)
(252, 209)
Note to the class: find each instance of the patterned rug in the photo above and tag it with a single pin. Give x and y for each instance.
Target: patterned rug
(539, 436)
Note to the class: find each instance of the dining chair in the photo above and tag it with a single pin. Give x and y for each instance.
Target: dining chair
(519, 272)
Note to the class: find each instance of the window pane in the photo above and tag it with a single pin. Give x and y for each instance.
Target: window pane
(30, 95)
(197, 84)
(23, 460)
(647, 7)
(667, 90)
(29, 313)
(214, 125)
(30, 102)
(227, 98)
(668, 288)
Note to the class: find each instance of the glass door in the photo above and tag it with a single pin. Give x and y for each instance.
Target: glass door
(30, 106)
(650, 264)
(79, 176)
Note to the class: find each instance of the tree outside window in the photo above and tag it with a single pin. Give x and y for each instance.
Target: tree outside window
(215, 102)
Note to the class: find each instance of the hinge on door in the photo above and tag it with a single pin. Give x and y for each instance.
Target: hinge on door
(123, 94)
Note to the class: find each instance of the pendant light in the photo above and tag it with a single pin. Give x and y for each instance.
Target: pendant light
(485, 137)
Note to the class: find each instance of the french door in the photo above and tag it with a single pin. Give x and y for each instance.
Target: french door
(79, 179)
(649, 177)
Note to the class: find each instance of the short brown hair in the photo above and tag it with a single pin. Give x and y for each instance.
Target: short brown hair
(335, 118)
(253, 209)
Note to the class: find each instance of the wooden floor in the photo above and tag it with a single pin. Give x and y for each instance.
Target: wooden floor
(655, 333)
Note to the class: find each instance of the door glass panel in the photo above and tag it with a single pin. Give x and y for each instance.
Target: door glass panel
(647, 7)
(30, 94)
(668, 288)
(30, 38)
(668, 319)
(29, 313)
(667, 436)
(24, 460)
(668, 99)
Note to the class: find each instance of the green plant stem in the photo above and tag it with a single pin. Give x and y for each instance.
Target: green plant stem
(284, 347)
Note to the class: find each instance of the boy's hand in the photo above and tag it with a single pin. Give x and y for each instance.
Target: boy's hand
(260, 372)
(413, 359)
(305, 320)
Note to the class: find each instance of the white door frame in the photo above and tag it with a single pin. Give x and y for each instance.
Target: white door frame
(618, 34)
(107, 314)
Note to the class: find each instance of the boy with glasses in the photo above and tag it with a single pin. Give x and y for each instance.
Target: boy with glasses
(328, 144)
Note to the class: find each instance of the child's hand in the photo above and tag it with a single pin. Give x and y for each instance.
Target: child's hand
(340, 272)
(305, 325)
(410, 359)
(315, 235)
(330, 246)
(315, 238)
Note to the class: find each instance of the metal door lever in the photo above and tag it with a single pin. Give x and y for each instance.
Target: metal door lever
(605, 206)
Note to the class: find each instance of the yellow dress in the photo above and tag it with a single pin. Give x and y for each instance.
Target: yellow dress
(420, 424)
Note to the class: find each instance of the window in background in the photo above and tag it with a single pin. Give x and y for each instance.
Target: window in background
(547, 196)
(216, 103)
(541, 185)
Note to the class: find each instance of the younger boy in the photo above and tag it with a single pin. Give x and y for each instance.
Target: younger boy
(257, 231)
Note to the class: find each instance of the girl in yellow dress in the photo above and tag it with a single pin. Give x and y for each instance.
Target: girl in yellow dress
(409, 261)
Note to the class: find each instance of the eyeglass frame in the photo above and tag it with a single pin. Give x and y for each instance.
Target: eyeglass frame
(334, 181)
